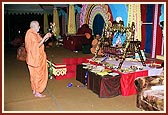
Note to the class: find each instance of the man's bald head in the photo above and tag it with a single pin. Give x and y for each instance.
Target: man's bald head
(35, 25)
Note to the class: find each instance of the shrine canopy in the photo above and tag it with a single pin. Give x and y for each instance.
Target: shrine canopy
(23, 9)
(14, 8)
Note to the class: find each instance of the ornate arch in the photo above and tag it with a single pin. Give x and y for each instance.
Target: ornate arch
(89, 11)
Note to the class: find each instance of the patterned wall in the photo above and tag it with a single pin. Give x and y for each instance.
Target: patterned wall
(89, 11)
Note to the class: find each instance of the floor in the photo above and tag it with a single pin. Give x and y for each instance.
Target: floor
(17, 95)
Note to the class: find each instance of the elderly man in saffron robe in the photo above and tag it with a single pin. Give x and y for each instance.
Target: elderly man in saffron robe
(36, 59)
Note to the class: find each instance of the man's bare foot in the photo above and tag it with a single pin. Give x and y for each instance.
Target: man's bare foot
(34, 92)
(39, 95)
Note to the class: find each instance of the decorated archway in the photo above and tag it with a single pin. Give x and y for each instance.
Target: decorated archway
(90, 11)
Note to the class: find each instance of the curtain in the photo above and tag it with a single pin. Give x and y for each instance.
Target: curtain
(151, 33)
(143, 27)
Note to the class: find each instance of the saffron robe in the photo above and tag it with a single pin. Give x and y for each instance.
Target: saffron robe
(36, 61)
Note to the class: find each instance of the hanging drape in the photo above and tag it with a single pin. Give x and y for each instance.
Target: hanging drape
(77, 21)
(143, 27)
(151, 33)
(56, 21)
(71, 20)
(63, 21)
(157, 32)
(46, 22)
(63, 25)
(134, 15)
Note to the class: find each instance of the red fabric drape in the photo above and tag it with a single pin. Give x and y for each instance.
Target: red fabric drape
(143, 29)
(159, 34)
(127, 82)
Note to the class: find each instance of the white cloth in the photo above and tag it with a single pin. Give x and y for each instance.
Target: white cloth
(127, 64)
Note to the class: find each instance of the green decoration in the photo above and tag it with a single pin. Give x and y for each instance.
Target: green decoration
(50, 70)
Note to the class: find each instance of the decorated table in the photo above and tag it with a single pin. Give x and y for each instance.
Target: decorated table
(103, 85)
(128, 77)
(128, 73)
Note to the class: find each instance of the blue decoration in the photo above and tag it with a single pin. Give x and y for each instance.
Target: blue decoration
(119, 38)
(162, 13)
(69, 85)
(104, 59)
(119, 10)
(86, 76)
